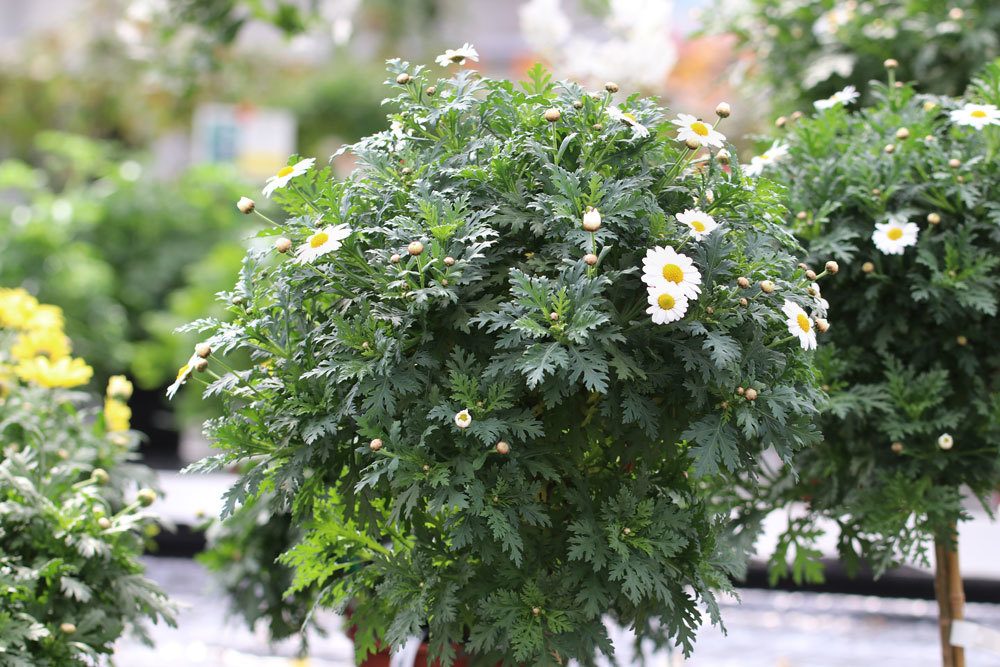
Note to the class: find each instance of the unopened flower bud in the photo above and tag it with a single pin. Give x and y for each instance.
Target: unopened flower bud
(692, 144)
(554, 316)
(577, 104)
(867, 267)
(590, 259)
(801, 215)
(954, 163)
(934, 218)
(744, 302)
(283, 245)
(395, 258)
(810, 275)
(962, 340)
(535, 611)
(146, 497)
(403, 79)
(740, 390)
(552, 115)
(503, 448)
(375, 444)
(203, 350)
(415, 248)
(896, 447)
(822, 325)
(449, 261)
(930, 105)
(898, 84)
(891, 63)
(780, 121)
(832, 267)
(591, 219)
(743, 282)
(889, 149)
(431, 90)
(200, 365)
(597, 126)
(956, 13)
(104, 523)
(611, 87)
(876, 191)
(238, 300)
(945, 441)
(750, 394)
(796, 115)
(626, 531)
(406, 171)
(903, 133)
(246, 205)
(67, 628)
(426, 468)
(100, 475)
(722, 110)
(766, 286)
(62, 453)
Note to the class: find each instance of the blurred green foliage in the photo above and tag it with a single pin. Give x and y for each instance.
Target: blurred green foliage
(126, 256)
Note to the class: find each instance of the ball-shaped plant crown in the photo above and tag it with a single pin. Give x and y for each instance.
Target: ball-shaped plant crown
(903, 194)
(486, 432)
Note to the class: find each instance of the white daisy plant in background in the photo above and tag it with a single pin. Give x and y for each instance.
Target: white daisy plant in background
(896, 235)
(638, 129)
(665, 265)
(690, 128)
(976, 115)
(700, 223)
(799, 324)
(777, 151)
(321, 242)
(667, 303)
(458, 56)
(842, 97)
(286, 174)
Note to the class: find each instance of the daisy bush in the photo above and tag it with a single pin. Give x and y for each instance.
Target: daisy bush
(492, 369)
(73, 508)
(809, 49)
(904, 195)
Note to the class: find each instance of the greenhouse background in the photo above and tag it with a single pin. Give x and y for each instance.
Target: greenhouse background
(136, 137)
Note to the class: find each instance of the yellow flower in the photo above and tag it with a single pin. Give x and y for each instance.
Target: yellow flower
(47, 317)
(65, 372)
(117, 416)
(17, 307)
(119, 388)
(51, 343)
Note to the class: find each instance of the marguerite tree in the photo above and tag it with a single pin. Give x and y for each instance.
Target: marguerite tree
(904, 194)
(493, 367)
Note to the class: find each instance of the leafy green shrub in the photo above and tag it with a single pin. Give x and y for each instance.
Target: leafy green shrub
(904, 194)
(70, 578)
(807, 50)
(496, 364)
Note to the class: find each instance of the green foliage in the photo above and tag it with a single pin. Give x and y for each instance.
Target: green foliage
(913, 355)
(70, 577)
(807, 50)
(573, 489)
(126, 257)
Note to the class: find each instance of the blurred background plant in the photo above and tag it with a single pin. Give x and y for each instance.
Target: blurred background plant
(801, 51)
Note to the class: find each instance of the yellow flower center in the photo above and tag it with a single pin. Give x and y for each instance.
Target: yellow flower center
(673, 273)
(285, 171)
(318, 239)
(665, 301)
(184, 370)
(699, 128)
(804, 322)
(629, 118)
(895, 234)
(698, 225)
(978, 113)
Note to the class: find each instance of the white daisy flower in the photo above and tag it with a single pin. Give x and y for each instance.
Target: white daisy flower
(690, 128)
(945, 441)
(666, 303)
(463, 419)
(700, 223)
(458, 56)
(800, 325)
(976, 115)
(844, 97)
(182, 375)
(321, 242)
(665, 265)
(777, 151)
(893, 237)
(638, 129)
(286, 174)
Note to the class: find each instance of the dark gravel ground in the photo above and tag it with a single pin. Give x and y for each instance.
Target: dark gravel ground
(768, 629)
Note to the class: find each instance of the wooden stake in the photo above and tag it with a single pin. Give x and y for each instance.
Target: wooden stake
(956, 597)
(943, 599)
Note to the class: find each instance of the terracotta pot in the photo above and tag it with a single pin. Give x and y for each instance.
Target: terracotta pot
(381, 659)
